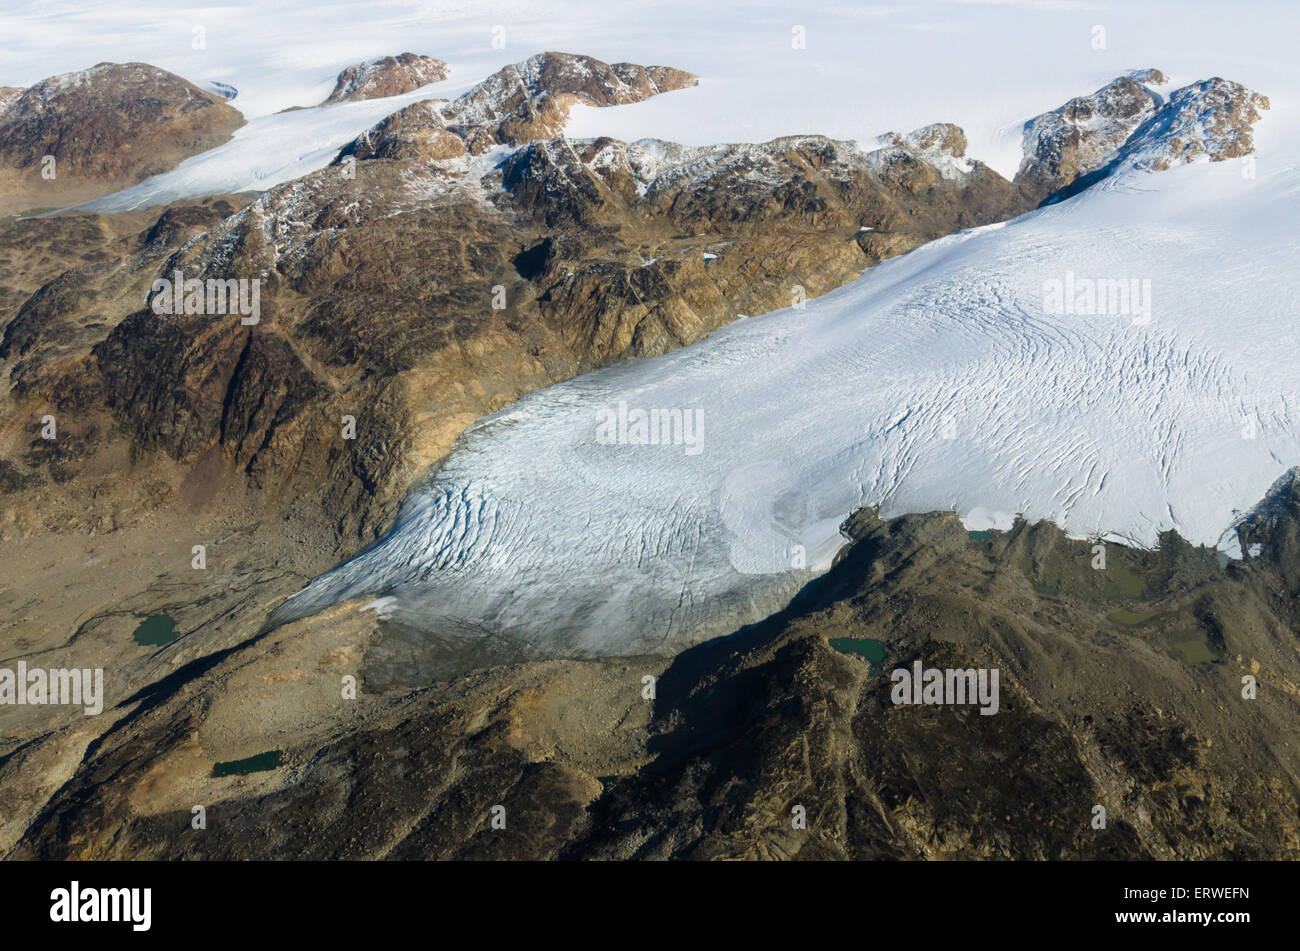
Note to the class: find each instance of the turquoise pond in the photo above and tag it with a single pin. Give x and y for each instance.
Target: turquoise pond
(872, 650)
(155, 631)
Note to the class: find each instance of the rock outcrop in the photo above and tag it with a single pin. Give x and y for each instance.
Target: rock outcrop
(1119, 688)
(531, 100)
(516, 105)
(417, 133)
(79, 135)
(1211, 120)
(1271, 530)
(386, 76)
(1125, 124)
(1082, 136)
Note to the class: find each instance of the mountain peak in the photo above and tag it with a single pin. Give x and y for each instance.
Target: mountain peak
(1125, 125)
(517, 104)
(1211, 120)
(387, 76)
(1083, 135)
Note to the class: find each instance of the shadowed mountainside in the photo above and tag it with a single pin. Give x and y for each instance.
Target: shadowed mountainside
(1120, 687)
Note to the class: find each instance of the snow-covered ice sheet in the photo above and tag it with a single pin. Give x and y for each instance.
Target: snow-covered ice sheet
(863, 69)
(266, 152)
(949, 378)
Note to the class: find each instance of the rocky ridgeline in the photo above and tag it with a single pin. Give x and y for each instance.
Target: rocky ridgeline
(386, 76)
(821, 183)
(517, 104)
(1128, 124)
(106, 128)
(531, 100)
(1124, 121)
(417, 133)
(1082, 136)
(1120, 688)
(1211, 120)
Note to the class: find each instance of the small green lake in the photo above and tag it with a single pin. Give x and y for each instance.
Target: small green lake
(260, 763)
(155, 631)
(1195, 651)
(872, 650)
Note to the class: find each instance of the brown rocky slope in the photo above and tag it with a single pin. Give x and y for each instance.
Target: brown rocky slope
(104, 128)
(1120, 688)
(386, 76)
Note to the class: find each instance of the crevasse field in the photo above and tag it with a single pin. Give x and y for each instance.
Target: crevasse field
(940, 380)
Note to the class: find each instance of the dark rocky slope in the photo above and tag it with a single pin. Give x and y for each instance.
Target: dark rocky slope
(1119, 687)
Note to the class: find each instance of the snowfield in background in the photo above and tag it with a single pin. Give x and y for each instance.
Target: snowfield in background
(266, 152)
(949, 378)
(865, 69)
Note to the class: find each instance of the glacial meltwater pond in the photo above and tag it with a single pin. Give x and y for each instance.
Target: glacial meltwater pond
(155, 631)
(872, 650)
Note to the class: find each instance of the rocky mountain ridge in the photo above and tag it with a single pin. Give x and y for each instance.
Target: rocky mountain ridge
(105, 128)
(515, 105)
(1128, 124)
(1121, 689)
(386, 76)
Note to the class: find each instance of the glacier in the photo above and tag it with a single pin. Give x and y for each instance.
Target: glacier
(948, 379)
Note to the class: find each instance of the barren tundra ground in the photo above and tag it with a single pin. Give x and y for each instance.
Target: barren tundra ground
(573, 431)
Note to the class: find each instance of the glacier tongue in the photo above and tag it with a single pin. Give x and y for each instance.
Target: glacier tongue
(952, 378)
